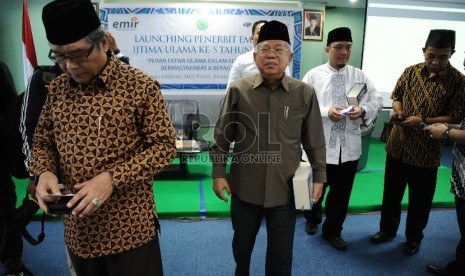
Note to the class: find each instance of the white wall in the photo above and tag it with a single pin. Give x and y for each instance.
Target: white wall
(396, 32)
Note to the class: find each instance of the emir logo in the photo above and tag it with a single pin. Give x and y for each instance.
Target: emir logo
(131, 24)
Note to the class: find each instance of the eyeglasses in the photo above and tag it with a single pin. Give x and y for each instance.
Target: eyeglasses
(76, 58)
(278, 51)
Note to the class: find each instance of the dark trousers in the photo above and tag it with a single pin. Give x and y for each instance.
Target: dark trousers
(280, 226)
(421, 187)
(11, 240)
(144, 260)
(457, 267)
(340, 180)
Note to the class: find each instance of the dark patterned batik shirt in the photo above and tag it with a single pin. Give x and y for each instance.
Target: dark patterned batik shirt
(427, 97)
(118, 123)
(458, 168)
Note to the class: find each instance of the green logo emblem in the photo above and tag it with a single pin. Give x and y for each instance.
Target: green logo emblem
(202, 24)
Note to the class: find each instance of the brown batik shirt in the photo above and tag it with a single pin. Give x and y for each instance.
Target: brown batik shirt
(426, 97)
(118, 123)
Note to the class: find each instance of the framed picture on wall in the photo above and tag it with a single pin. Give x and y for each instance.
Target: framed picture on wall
(313, 25)
(95, 6)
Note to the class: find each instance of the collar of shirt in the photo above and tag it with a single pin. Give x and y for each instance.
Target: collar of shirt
(335, 70)
(441, 74)
(261, 81)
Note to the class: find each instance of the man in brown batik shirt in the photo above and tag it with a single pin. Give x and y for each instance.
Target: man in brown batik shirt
(426, 93)
(104, 132)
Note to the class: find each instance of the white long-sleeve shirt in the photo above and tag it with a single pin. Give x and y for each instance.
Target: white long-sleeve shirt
(342, 139)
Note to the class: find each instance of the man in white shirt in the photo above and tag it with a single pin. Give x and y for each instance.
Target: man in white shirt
(244, 65)
(332, 82)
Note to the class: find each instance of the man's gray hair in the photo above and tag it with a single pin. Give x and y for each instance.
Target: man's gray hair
(96, 36)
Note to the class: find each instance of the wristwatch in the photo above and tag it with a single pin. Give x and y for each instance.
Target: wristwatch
(423, 122)
(446, 134)
(363, 112)
(118, 53)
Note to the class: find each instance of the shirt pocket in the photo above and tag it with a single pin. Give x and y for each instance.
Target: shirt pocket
(291, 123)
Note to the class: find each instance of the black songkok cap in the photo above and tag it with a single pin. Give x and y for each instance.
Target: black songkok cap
(67, 21)
(339, 34)
(274, 30)
(441, 39)
(312, 16)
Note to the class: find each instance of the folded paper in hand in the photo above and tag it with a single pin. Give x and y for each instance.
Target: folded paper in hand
(347, 110)
(357, 93)
(303, 185)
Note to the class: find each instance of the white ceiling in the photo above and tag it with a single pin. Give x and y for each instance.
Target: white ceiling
(360, 4)
(329, 3)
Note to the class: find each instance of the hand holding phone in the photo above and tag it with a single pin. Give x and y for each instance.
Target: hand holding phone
(58, 197)
(397, 120)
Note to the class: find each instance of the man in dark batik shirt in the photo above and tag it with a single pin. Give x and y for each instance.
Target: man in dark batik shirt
(426, 93)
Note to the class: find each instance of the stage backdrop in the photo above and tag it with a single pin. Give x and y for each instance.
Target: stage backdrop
(192, 46)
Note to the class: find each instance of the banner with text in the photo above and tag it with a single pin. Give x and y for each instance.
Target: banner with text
(192, 46)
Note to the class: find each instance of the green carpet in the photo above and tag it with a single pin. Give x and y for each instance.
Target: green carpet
(367, 192)
(193, 197)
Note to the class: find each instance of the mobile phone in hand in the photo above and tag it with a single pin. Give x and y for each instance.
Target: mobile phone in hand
(58, 206)
(397, 119)
(61, 197)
